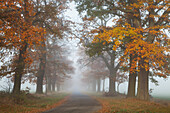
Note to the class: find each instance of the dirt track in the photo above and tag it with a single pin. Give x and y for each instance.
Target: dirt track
(77, 103)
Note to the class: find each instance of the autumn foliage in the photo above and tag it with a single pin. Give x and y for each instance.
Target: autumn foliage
(140, 30)
(17, 30)
(155, 53)
(16, 26)
(27, 27)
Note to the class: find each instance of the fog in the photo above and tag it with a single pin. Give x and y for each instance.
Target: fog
(163, 89)
(75, 84)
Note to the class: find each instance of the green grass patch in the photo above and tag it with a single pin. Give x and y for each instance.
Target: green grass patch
(162, 97)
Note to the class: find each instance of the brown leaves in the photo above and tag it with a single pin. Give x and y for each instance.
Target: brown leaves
(49, 106)
(106, 107)
(117, 104)
(30, 103)
(16, 27)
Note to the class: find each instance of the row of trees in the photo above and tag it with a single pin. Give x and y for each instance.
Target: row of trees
(95, 71)
(95, 75)
(136, 43)
(29, 42)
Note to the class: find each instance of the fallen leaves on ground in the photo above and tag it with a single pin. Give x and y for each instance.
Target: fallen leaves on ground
(130, 105)
(30, 103)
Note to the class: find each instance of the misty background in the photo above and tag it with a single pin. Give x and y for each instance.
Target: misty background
(162, 90)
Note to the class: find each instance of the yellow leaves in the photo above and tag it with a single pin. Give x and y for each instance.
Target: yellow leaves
(157, 43)
(136, 43)
(151, 53)
(117, 42)
(116, 35)
(121, 37)
(114, 48)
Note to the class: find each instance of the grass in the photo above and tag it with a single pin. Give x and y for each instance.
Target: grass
(30, 103)
(162, 97)
(130, 105)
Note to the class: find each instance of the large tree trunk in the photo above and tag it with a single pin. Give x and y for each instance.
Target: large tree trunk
(41, 73)
(132, 85)
(21, 64)
(19, 70)
(112, 90)
(41, 70)
(112, 82)
(58, 86)
(143, 88)
(17, 83)
(39, 88)
(104, 85)
(98, 85)
(112, 69)
(132, 81)
(53, 85)
(49, 85)
(118, 87)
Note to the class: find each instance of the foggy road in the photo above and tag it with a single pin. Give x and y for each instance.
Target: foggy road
(77, 103)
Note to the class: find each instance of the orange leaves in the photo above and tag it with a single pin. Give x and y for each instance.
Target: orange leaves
(153, 53)
(16, 26)
(17, 29)
(148, 52)
(106, 108)
(112, 35)
(35, 36)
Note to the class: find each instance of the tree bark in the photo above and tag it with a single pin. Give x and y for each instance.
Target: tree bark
(98, 85)
(21, 64)
(132, 81)
(19, 69)
(17, 83)
(118, 87)
(112, 69)
(112, 86)
(49, 85)
(41, 73)
(112, 82)
(39, 88)
(53, 85)
(143, 89)
(131, 85)
(58, 87)
(143, 86)
(104, 85)
(41, 70)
